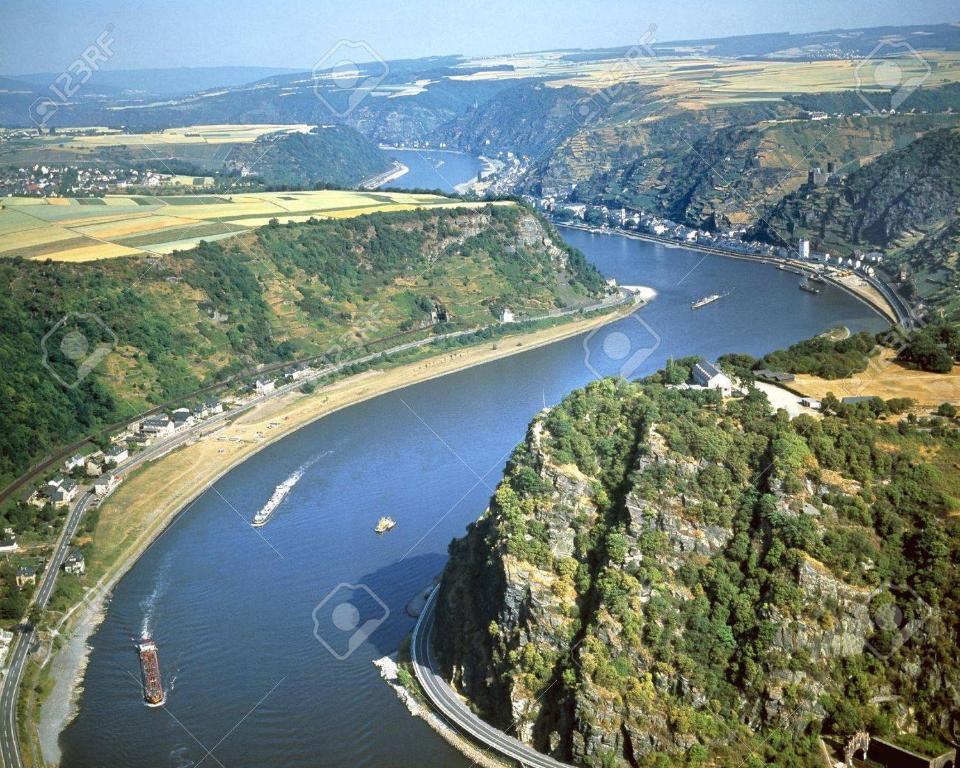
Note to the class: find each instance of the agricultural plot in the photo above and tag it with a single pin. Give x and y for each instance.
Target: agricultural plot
(206, 146)
(65, 229)
(698, 82)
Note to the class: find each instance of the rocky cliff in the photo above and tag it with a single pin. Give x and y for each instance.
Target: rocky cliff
(662, 578)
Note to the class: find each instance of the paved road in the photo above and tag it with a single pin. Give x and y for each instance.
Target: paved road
(10, 756)
(451, 706)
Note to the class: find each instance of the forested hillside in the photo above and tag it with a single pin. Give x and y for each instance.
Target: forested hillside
(334, 154)
(172, 324)
(666, 579)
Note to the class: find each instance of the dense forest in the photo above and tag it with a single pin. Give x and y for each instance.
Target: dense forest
(332, 155)
(157, 329)
(663, 578)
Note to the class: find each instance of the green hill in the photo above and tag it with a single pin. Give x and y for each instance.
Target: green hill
(335, 155)
(176, 323)
(665, 579)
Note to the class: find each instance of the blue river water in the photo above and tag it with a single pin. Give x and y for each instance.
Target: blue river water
(433, 169)
(264, 667)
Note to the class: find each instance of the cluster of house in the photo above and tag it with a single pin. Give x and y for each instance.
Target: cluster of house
(165, 424)
(74, 564)
(299, 373)
(58, 491)
(52, 181)
(730, 240)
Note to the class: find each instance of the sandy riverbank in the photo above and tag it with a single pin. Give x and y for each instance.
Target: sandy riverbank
(148, 502)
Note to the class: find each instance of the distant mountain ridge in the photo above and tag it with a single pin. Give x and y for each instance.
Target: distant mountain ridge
(165, 81)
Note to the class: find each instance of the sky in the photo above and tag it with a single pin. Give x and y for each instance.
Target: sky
(46, 36)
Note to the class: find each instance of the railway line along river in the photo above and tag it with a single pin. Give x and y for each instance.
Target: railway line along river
(262, 664)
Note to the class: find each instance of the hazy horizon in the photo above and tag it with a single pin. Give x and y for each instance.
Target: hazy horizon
(180, 34)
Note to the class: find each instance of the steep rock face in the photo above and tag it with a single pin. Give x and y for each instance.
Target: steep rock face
(658, 575)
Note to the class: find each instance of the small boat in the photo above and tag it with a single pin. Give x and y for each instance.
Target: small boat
(705, 300)
(805, 285)
(817, 278)
(384, 524)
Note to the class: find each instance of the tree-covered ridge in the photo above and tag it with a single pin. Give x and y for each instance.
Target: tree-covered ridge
(179, 322)
(663, 578)
(334, 154)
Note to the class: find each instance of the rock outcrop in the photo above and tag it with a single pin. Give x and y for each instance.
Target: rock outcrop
(649, 582)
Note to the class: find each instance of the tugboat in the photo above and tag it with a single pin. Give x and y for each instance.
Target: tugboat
(806, 285)
(705, 300)
(153, 693)
(385, 524)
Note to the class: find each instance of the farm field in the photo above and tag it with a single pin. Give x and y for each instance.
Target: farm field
(700, 82)
(205, 145)
(65, 229)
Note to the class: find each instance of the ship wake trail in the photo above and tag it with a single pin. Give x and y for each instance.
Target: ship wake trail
(281, 491)
(149, 603)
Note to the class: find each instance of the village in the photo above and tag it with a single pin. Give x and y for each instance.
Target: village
(75, 181)
(93, 474)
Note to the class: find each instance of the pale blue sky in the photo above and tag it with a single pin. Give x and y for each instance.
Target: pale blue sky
(38, 35)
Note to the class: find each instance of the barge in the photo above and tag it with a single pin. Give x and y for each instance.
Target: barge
(153, 693)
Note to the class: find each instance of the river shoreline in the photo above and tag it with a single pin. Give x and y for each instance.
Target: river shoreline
(146, 506)
(882, 307)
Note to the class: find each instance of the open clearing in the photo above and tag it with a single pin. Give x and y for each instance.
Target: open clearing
(68, 230)
(886, 379)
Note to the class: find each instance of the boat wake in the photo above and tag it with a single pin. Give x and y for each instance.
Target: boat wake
(281, 491)
(149, 603)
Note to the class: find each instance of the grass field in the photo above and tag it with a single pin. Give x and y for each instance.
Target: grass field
(886, 379)
(67, 230)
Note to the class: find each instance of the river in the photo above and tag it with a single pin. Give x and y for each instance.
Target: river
(433, 169)
(252, 677)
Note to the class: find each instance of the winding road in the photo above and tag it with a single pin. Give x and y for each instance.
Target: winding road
(25, 639)
(447, 703)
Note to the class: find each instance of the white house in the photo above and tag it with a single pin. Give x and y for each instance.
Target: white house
(117, 453)
(265, 387)
(506, 315)
(73, 462)
(74, 563)
(102, 486)
(159, 425)
(708, 375)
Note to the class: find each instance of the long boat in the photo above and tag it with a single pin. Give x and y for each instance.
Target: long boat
(153, 693)
(279, 494)
(705, 300)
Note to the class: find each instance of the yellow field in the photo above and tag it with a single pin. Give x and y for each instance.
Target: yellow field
(700, 81)
(194, 134)
(886, 379)
(71, 230)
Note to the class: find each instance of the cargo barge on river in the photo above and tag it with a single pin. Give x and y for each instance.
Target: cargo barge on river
(153, 693)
